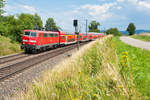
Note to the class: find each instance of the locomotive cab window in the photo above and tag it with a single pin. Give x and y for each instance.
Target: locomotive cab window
(26, 33)
(33, 34)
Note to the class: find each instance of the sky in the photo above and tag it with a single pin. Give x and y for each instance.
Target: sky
(109, 13)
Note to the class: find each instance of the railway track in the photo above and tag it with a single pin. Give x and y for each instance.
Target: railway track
(11, 70)
(12, 58)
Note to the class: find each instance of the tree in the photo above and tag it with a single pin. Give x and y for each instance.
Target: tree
(2, 4)
(27, 22)
(51, 25)
(131, 29)
(113, 31)
(93, 27)
(38, 24)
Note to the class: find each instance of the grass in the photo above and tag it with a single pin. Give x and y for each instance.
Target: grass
(7, 47)
(95, 72)
(142, 37)
(139, 61)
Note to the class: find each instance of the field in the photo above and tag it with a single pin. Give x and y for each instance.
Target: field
(105, 69)
(7, 47)
(142, 37)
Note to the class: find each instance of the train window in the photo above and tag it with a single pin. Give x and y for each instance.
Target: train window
(62, 37)
(49, 35)
(33, 34)
(56, 35)
(45, 35)
(26, 33)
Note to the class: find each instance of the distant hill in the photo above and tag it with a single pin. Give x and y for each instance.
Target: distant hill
(126, 32)
(137, 31)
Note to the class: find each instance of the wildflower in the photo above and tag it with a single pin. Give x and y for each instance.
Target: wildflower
(103, 78)
(122, 61)
(124, 56)
(95, 95)
(133, 68)
(87, 93)
(79, 72)
(120, 86)
(126, 65)
(125, 53)
(80, 97)
(74, 99)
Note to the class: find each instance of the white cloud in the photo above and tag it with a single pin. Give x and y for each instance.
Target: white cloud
(120, 0)
(133, 1)
(20, 8)
(118, 7)
(141, 5)
(144, 4)
(99, 12)
(29, 8)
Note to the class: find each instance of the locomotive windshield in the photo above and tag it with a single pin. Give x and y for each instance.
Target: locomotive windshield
(31, 34)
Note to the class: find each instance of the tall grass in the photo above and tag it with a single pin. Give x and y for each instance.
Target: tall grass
(7, 47)
(93, 73)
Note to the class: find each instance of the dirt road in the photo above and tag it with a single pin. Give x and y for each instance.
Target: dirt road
(135, 42)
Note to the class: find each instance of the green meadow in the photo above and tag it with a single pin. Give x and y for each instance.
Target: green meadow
(142, 37)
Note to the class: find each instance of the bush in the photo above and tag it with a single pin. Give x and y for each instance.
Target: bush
(7, 47)
(113, 31)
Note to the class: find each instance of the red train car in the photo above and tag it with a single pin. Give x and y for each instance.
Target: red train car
(83, 37)
(70, 38)
(90, 36)
(62, 38)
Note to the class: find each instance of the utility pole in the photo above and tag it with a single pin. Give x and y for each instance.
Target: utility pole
(86, 27)
(75, 23)
(104, 31)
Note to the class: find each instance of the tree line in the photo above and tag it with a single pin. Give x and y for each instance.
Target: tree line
(131, 29)
(13, 26)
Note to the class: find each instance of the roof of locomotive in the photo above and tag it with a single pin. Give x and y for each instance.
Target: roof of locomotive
(41, 31)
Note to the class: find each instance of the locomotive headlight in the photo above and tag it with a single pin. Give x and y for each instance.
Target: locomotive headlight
(32, 41)
(25, 40)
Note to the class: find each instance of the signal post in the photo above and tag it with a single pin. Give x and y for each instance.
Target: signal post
(75, 24)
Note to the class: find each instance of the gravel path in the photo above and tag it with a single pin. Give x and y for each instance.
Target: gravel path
(135, 42)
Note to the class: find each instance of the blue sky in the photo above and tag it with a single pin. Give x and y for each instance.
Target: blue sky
(110, 13)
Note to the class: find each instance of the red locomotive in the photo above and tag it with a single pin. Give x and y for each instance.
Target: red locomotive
(35, 40)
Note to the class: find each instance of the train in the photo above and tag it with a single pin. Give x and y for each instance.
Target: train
(34, 41)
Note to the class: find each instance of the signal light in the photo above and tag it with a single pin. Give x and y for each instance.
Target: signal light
(75, 23)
